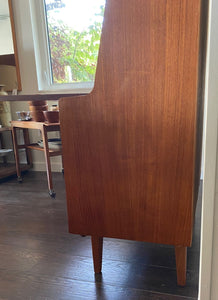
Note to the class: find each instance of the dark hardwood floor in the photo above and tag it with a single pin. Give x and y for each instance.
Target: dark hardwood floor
(41, 260)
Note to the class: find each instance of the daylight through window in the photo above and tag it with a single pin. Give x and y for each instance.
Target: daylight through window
(74, 29)
(67, 38)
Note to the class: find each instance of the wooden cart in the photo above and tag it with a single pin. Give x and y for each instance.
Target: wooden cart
(44, 128)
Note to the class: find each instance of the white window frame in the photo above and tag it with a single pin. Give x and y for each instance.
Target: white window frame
(42, 55)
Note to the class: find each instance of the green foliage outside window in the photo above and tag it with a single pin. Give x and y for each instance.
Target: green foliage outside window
(74, 54)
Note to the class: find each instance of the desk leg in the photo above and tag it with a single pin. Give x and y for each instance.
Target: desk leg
(47, 161)
(27, 142)
(16, 154)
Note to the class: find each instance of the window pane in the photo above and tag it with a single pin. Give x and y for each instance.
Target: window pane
(74, 29)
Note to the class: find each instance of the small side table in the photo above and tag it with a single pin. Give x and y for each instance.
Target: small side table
(44, 128)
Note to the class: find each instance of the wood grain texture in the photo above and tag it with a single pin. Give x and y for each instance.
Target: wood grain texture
(129, 146)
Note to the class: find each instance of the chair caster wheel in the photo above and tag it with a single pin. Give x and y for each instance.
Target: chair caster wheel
(52, 194)
(19, 179)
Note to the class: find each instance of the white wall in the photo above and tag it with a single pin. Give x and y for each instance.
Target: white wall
(214, 274)
(26, 57)
(209, 239)
(213, 96)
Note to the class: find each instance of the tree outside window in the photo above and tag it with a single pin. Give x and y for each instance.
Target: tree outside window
(74, 43)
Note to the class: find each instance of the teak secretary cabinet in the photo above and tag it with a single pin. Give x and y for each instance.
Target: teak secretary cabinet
(131, 147)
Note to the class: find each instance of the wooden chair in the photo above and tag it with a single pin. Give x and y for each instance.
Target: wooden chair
(131, 147)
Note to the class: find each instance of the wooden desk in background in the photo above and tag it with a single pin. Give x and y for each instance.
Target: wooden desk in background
(44, 128)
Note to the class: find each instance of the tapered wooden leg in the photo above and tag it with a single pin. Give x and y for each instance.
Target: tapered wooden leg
(181, 263)
(27, 142)
(16, 154)
(97, 247)
(47, 161)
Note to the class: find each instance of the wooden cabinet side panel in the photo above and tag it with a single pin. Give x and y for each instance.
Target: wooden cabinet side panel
(129, 146)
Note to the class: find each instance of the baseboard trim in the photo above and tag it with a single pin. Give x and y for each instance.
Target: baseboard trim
(40, 167)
